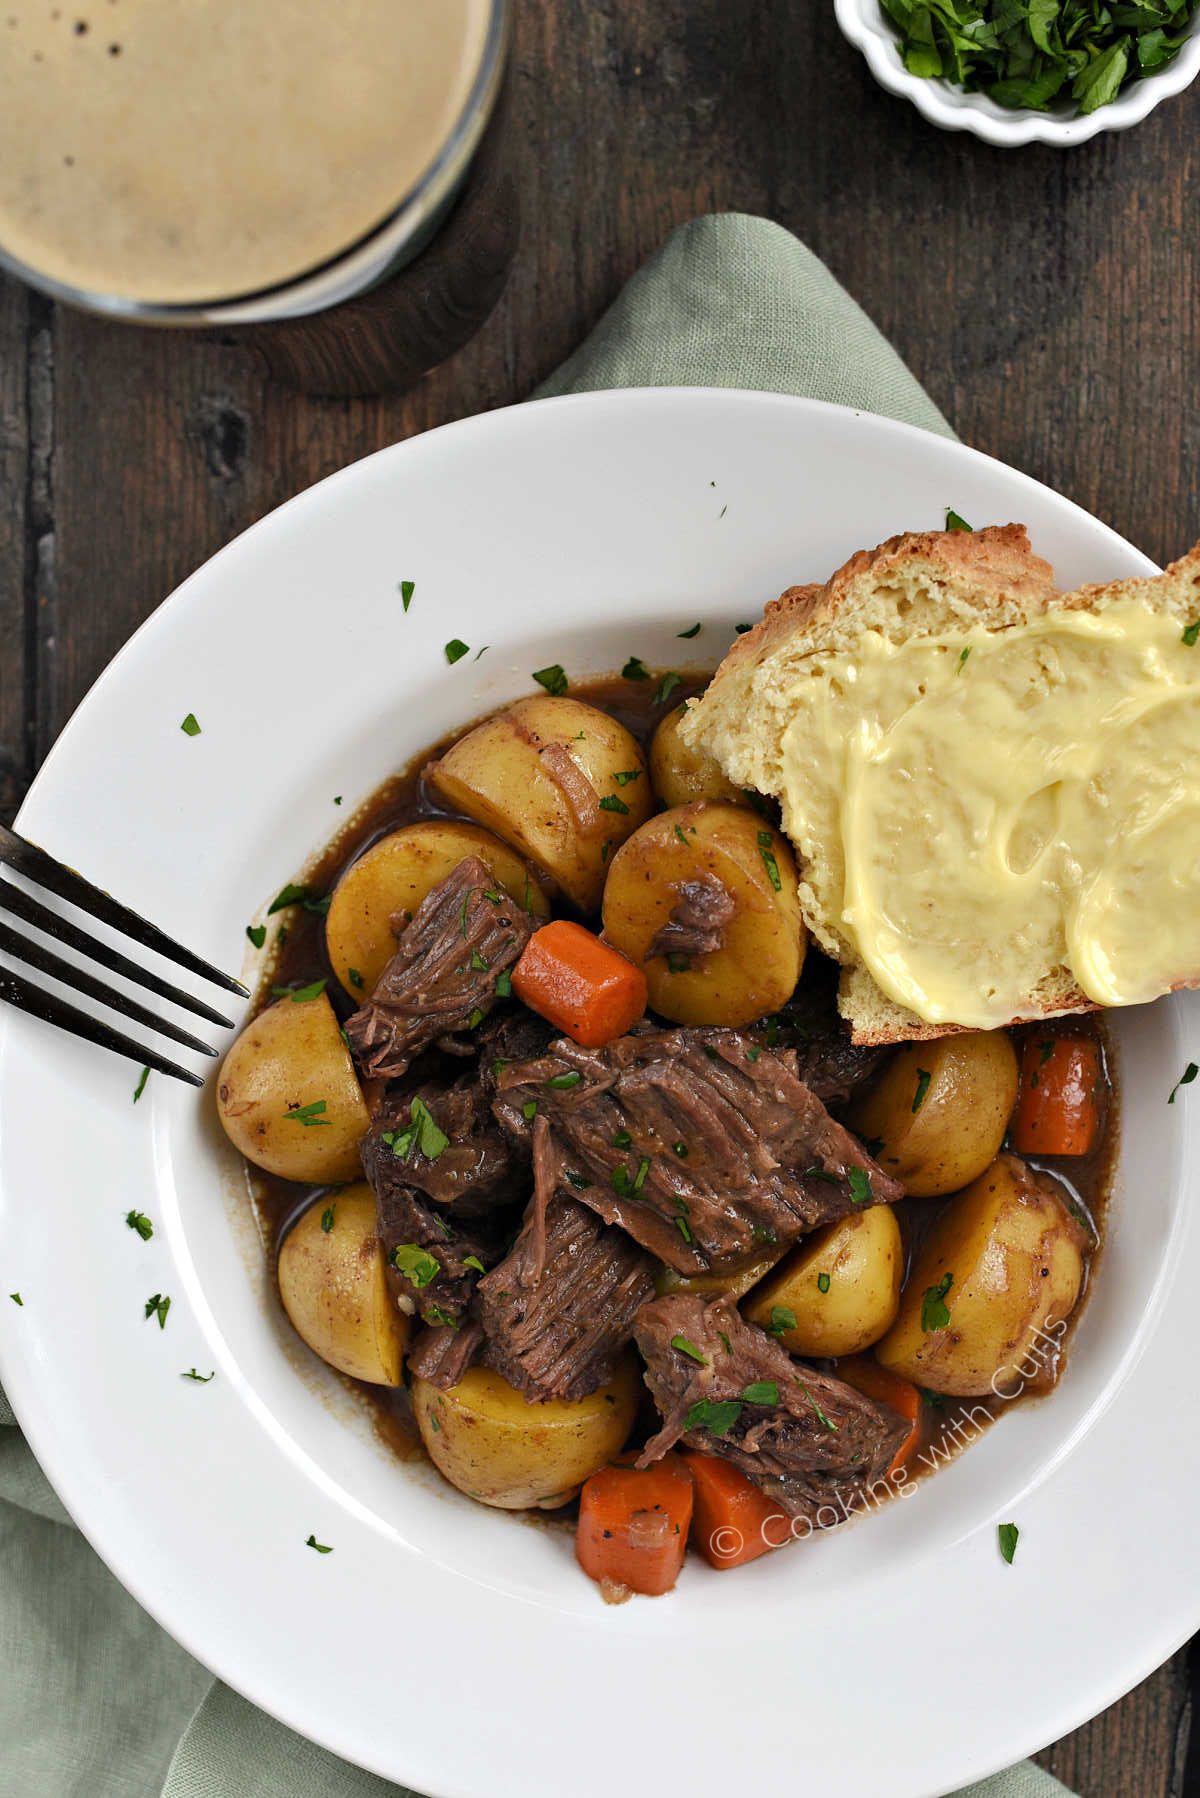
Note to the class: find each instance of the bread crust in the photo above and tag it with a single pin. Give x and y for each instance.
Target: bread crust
(915, 584)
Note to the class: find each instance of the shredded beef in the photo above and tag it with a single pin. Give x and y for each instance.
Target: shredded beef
(805, 1439)
(429, 1255)
(698, 920)
(476, 1171)
(705, 1147)
(558, 1311)
(442, 1353)
(465, 933)
(826, 1058)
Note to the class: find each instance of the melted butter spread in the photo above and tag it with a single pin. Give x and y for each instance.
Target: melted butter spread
(984, 810)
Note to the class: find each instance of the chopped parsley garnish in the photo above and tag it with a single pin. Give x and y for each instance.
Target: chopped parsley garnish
(407, 589)
(822, 1282)
(257, 934)
(1185, 1079)
(620, 1182)
(308, 1115)
(492, 898)
(291, 894)
(16, 1298)
(201, 1379)
(560, 1082)
(782, 1318)
(689, 1349)
(935, 1313)
(137, 1220)
(694, 632)
(710, 1052)
(726, 1341)
(860, 1187)
(752, 1053)
(819, 1173)
(456, 649)
(1046, 1051)
(422, 1133)
(140, 1088)
(761, 1233)
(768, 859)
(337, 799)
(501, 1062)
(158, 1306)
(635, 669)
(741, 629)
(873, 1146)
(504, 984)
(681, 1150)
(303, 994)
(579, 1181)
(605, 850)
(417, 1265)
(322, 1548)
(529, 1110)
(956, 523)
(622, 1140)
(354, 977)
(678, 964)
(189, 727)
(1190, 633)
(821, 1417)
(1007, 1533)
(477, 961)
(923, 1079)
(669, 684)
(684, 1228)
(761, 1392)
(433, 1314)
(623, 776)
(717, 1416)
(327, 1219)
(680, 835)
(963, 654)
(553, 679)
(640, 1177)
(473, 1261)
(611, 803)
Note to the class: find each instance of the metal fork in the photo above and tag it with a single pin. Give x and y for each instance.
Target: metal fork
(37, 866)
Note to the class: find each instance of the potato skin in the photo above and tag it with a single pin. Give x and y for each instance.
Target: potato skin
(679, 774)
(758, 964)
(863, 1258)
(290, 1056)
(543, 776)
(959, 1124)
(394, 875)
(334, 1288)
(1016, 1259)
(490, 1443)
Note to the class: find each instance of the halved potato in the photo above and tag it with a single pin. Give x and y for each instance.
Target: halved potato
(491, 1443)
(288, 1096)
(393, 876)
(940, 1109)
(561, 782)
(756, 967)
(679, 773)
(985, 1303)
(334, 1287)
(841, 1284)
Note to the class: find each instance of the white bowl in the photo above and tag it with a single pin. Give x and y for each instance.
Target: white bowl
(864, 23)
(578, 530)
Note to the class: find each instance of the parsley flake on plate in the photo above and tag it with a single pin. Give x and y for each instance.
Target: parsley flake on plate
(158, 1306)
(140, 1088)
(553, 679)
(1185, 1079)
(1008, 1534)
(956, 522)
(201, 1379)
(137, 1220)
(257, 934)
(456, 649)
(407, 589)
(189, 727)
(322, 1548)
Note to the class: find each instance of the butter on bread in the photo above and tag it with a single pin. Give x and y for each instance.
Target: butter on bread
(938, 585)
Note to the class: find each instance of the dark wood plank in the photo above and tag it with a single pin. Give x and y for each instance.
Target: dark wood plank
(1045, 298)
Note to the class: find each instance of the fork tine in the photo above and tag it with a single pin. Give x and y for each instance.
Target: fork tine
(23, 905)
(35, 955)
(27, 998)
(28, 859)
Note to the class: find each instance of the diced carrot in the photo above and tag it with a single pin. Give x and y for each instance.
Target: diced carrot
(633, 1525)
(864, 1373)
(1058, 1105)
(580, 985)
(732, 1521)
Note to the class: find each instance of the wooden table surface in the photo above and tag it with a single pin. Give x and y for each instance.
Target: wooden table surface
(1048, 301)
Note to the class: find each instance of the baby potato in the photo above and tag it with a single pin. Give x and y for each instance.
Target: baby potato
(491, 1443)
(761, 952)
(394, 875)
(334, 1287)
(288, 1096)
(940, 1110)
(999, 1274)
(561, 782)
(841, 1284)
(679, 773)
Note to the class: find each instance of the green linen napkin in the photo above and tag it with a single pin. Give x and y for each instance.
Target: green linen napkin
(96, 1701)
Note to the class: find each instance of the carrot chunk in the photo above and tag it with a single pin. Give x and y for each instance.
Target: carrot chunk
(633, 1525)
(578, 984)
(732, 1521)
(1058, 1105)
(864, 1373)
